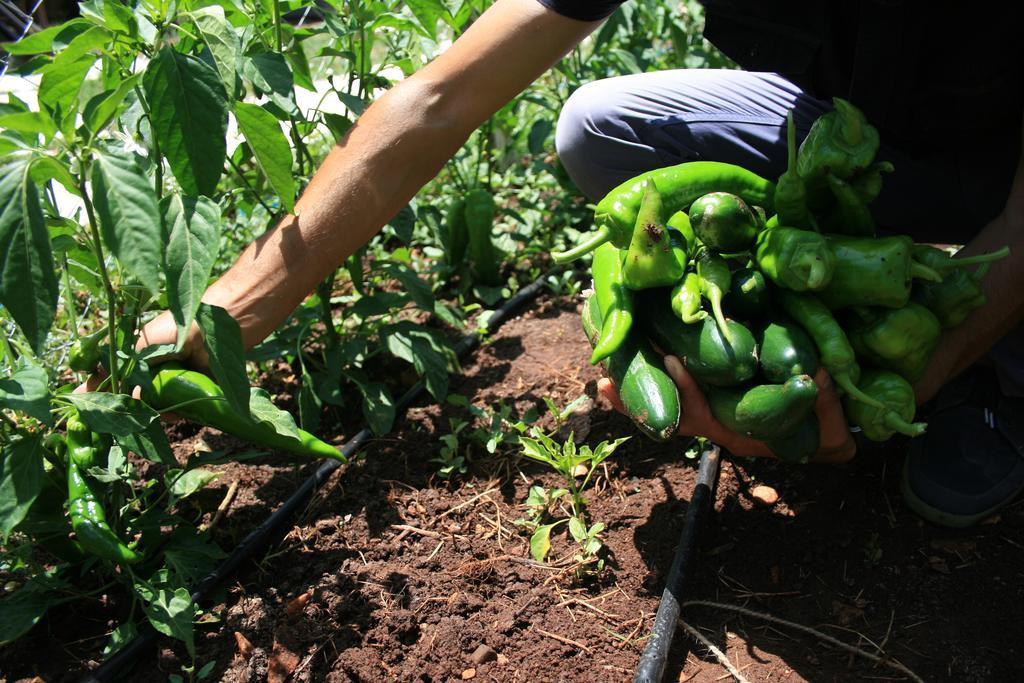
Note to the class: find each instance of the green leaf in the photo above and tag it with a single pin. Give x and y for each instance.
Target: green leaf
(191, 557)
(578, 529)
(339, 125)
(32, 122)
(426, 349)
(100, 110)
(26, 390)
(403, 223)
(170, 613)
(378, 404)
(356, 105)
(273, 154)
(189, 116)
(35, 43)
(129, 217)
(539, 133)
(540, 541)
(21, 480)
(150, 443)
(119, 637)
(47, 168)
(223, 340)
(116, 414)
(120, 18)
(414, 286)
(192, 239)
(427, 13)
(62, 79)
(181, 486)
(28, 286)
(310, 404)
(270, 74)
(23, 610)
(223, 42)
(264, 410)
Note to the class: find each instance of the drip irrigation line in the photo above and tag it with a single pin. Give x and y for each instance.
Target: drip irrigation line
(271, 530)
(655, 656)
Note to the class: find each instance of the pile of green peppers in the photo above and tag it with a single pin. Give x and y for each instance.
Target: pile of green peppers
(756, 284)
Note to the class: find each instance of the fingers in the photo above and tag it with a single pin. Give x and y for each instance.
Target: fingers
(606, 388)
(837, 443)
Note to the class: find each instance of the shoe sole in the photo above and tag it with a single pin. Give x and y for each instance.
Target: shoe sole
(936, 516)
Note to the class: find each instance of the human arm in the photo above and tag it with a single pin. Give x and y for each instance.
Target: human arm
(400, 143)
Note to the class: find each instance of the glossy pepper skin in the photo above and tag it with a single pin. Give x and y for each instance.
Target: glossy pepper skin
(790, 190)
(483, 256)
(686, 299)
(85, 352)
(92, 531)
(873, 272)
(614, 298)
(196, 397)
(681, 234)
(799, 260)
(650, 260)
(723, 222)
(851, 215)
(896, 413)
(715, 279)
(841, 142)
(834, 350)
(680, 185)
(897, 339)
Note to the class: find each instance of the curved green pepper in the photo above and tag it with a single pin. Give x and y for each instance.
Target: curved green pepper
(684, 241)
(767, 411)
(873, 272)
(851, 215)
(650, 260)
(790, 190)
(715, 279)
(723, 222)
(88, 519)
(841, 142)
(868, 183)
(686, 299)
(897, 339)
(795, 259)
(196, 397)
(679, 185)
(833, 347)
(896, 413)
(614, 298)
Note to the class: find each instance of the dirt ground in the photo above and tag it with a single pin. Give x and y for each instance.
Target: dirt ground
(394, 574)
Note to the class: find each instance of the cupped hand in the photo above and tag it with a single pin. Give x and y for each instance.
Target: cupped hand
(836, 443)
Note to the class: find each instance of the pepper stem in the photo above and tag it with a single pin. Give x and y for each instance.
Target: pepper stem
(920, 271)
(596, 239)
(980, 258)
(723, 327)
(844, 380)
(690, 319)
(895, 422)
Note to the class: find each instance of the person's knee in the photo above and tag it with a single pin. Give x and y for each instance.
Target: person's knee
(586, 138)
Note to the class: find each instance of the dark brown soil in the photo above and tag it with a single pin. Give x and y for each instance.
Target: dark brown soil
(396, 574)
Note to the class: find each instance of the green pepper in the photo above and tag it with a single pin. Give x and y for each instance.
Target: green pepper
(767, 411)
(959, 293)
(868, 183)
(873, 272)
(88, 519)
(85, 351)
(723, 222)
(841, 142)
(686, 299)
(715, 279)
(897, 339)
(679, 185)
(786, 350)
(795, 259)
(800, 446)
(790, 191)
(851, 215)
(748, 297)
(879, 423)
(650, 261)
(614, 299)
(834, 348)
(684, 241)
(196, 397)
(483, 256)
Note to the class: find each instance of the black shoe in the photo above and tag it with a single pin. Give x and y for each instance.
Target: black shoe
(970, 462)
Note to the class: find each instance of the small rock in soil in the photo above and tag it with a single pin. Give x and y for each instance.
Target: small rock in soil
(502, 660)
(482, 654)
(468, 674)
(764, 494)
(580, 471)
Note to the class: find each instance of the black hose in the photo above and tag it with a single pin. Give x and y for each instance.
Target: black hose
(655, 656)
(269, 531)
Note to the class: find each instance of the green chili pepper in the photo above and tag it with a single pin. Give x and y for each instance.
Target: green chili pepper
(196, 397)
(795, 259)
(833, 347)
(483, 256)
(715, 279)
(456, 235)
(680, 185)
(85, 352)
(724, 222)
(684, 241)
(613, 298)
(959, 293)
(790, 191)
(686, 299)
(650, 261)
(851, 215)
(841, 142)
(88, 519)
(873, 272)
(897, 339)
(879, 423)
(868, 183)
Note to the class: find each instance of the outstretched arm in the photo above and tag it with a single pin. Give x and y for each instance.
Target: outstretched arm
(400, 143)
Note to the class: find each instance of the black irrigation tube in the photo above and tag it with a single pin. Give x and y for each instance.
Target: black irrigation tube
(655, 656)
(269, 531)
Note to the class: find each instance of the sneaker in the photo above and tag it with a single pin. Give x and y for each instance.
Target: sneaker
(970, 462)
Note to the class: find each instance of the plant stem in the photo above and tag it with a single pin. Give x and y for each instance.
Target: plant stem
(158, 181)
(241, 174)
(97, 245)
(277, 24)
